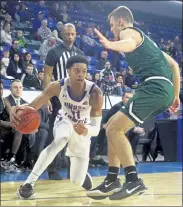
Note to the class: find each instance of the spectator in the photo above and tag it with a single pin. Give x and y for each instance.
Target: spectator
(44, 32)
(131, 80)
(102, 60)
(46, 47)
(79, 28)
(6, 132)
(6, 38)
(89, 32)
(29, 80)
(55, 11)
(162, 44)
(17, 13)
(119, 88)
(41, 7)
(64, 15)
(169, 42)
(20, 39)
(15, 67)
(15, 99)
(123, 74)
(88, 76)
(37, 22)
(5, 62)
(40, 79)
(3, 10)
(27, 59)
(57, 33)
(172, 50)
(24, 13)
(15, 49)
(177, 44)
(107, 72)
(96, 79)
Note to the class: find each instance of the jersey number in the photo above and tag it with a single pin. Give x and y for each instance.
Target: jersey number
(76, 115)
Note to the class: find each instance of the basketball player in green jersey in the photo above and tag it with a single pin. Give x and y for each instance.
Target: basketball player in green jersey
(158, 90)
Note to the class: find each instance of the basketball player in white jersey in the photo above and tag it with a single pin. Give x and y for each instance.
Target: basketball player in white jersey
(77, 121)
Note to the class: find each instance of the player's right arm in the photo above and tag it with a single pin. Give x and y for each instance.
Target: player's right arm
(48, 71)
(176, 81)
(53, 89)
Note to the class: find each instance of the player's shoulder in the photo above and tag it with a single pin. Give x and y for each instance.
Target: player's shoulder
(130, 31)
(95, 90)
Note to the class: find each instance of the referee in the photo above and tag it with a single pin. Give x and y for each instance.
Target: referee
(56, 64)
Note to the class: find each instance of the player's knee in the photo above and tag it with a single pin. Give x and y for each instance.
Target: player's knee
(110, 130)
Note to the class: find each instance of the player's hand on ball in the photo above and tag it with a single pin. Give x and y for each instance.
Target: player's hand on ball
(175, 106)
(104, 41)
(80, 129)
(14, 117)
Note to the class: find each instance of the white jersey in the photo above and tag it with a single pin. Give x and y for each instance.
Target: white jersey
(75, 110)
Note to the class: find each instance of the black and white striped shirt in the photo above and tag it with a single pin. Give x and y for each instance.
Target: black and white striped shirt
(57, 58)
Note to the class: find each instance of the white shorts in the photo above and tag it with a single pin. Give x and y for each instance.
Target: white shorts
(78, 145)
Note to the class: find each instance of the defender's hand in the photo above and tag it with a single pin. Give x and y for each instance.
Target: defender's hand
(80, 129)
(104, 41)
(175, 106)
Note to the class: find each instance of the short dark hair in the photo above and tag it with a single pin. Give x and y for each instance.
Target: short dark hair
(76, 59)
(30, 65)
(41, 71)
(14, 41)
(15, 80)
(123, 12)
(118, 75)
(127, 90)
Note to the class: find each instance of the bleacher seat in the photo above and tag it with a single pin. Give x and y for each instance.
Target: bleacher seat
(93, 61)
(6, 83)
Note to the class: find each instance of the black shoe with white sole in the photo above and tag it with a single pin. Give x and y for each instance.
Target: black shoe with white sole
(25, 191)
(104, 190)
(128, 189)
(88, 184)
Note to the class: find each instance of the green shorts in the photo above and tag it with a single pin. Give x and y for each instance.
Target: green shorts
(151, 98)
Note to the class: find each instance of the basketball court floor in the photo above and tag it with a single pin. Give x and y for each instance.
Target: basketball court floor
(163, 179)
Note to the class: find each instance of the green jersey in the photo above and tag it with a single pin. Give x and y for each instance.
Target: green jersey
(147, 60)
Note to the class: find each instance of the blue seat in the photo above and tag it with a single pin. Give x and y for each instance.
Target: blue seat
(93, 61)
(6, 83)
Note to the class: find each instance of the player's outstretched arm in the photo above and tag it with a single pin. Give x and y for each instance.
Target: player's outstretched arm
(127, 43)
(53, 89)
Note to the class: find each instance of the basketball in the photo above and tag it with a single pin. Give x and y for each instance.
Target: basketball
(30, 120)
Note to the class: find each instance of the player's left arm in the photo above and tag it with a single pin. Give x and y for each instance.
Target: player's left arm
(96, 103)
(176, 74)
(129, 40)
(176, 82)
